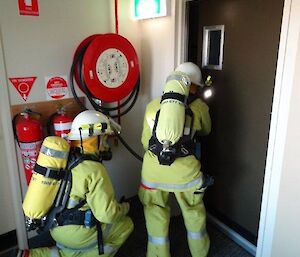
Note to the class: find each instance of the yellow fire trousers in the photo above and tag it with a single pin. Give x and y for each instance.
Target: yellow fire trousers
(157, 215)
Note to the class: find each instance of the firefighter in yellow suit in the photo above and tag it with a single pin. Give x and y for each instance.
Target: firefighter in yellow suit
(183, 178)
(90, 182)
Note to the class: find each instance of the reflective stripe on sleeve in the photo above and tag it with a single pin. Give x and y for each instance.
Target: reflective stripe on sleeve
(197, 235)
(158, 240)
(54, 153)
(54, 252)
(82, 249)
(198, 181)
(108, 249)
(72, 203)
(145, 187)
(105, 232)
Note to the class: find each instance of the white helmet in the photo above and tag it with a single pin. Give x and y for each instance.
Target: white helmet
(192, 70)
(89, 123)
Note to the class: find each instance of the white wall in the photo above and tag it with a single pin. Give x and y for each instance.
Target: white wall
(44, 45)
(287, 226)
(9, 171)
(279, 222)
(6, 214)
(6, 200)
(157, 50)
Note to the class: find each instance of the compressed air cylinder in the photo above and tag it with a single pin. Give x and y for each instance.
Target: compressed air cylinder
(171, 119)
(42, 190)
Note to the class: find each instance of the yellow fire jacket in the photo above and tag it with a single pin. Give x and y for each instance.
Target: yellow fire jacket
(184, 173)
(90, 181)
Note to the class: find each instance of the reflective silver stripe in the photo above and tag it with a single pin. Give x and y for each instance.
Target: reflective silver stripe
(158, 240)
(197, 235)
(180, 78)
(191, 184)
(72, 203)
(62, 126)
(109, 249)
(82, 249)
(54, 153)
(107, 230)
(54, 252)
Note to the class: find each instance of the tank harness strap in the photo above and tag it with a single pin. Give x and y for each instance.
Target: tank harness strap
(173, 95)
(191, 98)
(76, 158)
(100, 238)
(49, 173)
(72, 216)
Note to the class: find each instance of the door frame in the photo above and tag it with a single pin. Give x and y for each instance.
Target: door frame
(10, 149)
(278, 125)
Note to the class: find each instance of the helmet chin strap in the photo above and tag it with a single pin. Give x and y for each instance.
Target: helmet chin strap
(81, 143)
(98, 142)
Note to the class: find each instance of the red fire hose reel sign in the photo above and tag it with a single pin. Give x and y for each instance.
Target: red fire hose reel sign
(56, 87)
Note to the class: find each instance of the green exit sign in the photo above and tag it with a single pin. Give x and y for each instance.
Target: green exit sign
(146, 9)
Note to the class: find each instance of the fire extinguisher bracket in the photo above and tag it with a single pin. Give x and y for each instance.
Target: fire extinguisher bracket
(110, 67)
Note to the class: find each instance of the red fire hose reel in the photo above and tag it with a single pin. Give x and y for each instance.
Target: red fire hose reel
(106, 65)
(106, 69)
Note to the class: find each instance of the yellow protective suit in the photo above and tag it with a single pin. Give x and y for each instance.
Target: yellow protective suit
(184, 178)
(91, 182)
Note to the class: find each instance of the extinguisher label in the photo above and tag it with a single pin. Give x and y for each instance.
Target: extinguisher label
(62, 126)
(56, 87)
(29, 153)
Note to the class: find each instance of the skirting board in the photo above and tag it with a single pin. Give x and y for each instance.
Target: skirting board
(234, 236)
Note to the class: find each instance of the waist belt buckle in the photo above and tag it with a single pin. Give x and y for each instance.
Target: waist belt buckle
(167, 156)
(88, 219)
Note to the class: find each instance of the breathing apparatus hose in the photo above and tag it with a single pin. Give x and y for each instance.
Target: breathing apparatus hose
(136, 155)
(76, 59)
(77, 64)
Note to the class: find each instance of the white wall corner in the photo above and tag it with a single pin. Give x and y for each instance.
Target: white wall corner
(10, 148)
(278, 129)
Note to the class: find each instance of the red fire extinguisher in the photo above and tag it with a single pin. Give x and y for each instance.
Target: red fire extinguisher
(29, 135)
(61, 123)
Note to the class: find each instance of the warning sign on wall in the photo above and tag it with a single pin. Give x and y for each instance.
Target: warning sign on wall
(23, 85)
(56, 87)
(29, 7)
